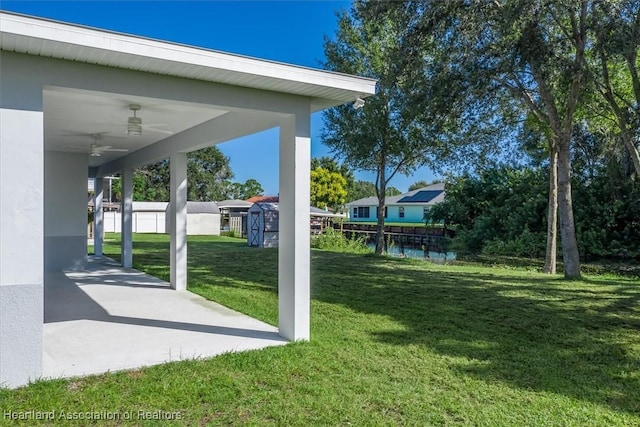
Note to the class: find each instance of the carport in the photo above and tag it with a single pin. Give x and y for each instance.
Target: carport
(68, 92)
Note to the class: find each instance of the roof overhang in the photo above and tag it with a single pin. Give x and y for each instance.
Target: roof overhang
(42, 37)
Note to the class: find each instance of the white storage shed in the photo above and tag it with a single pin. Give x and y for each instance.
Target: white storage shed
(203, 218)
(147, 217)
(262, 225)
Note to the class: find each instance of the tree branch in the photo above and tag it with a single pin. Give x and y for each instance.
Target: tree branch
(579, 36)
(522, 92)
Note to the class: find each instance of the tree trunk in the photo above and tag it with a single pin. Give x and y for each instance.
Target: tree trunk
(630, 145)
(552, 215)
(380, 249)
(570, 254)
(610, 97)
(631, 59)
(381, 190)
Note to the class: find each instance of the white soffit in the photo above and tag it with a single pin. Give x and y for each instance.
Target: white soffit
(36, 36)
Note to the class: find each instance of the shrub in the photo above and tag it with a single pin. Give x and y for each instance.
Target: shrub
(528, 244)
(232, 233)
(334, 240)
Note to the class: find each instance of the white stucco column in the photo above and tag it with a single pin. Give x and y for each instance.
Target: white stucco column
(98, 215)
(294, 252)
(21, 244)
(178, 220)
(126, 214)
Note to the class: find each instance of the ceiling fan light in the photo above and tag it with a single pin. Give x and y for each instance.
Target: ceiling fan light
(134, 125)
(134, 129)
(95, 154)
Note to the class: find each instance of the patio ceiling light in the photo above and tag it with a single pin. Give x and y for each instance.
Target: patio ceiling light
(134, 124)
(358, 103)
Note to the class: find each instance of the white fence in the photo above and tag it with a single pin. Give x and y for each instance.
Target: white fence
(142, 222)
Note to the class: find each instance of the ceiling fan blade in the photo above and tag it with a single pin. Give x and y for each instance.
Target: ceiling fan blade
(153, 129)
(116, 149)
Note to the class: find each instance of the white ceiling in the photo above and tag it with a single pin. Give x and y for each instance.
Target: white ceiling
(72, 117)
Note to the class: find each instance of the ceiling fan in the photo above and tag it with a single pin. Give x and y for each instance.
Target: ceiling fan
(96, 150)
(135, 125)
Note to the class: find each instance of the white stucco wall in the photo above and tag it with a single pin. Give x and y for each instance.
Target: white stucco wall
(65, 210)
(21, 237)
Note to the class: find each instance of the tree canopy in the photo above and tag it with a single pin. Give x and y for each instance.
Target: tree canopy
(328, 189)
(418, 184)
(361, 189)
(208, 175)
(333, 166)
(246, 190)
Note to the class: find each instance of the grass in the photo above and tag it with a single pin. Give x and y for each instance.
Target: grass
(394, 342)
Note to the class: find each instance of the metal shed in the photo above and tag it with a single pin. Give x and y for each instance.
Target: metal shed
(262, 225)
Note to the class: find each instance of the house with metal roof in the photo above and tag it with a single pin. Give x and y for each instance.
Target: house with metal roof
(404, 208)
(79, 103)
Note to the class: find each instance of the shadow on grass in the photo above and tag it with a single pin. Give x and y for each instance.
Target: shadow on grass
(538, 333)
(535, 332)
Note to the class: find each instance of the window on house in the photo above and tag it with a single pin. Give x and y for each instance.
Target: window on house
(401, 212)
(426, 215)
(361, 212)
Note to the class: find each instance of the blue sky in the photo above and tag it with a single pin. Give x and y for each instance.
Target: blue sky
(286, 31)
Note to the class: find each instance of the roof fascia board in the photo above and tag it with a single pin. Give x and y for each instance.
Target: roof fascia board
(55, 74)
(66, 34)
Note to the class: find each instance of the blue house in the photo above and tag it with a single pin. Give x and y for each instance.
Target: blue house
(408, 207)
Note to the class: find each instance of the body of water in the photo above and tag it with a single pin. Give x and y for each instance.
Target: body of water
(418, 254)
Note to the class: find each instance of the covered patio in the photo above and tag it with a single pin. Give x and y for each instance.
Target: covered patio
(80, 102)
(94, 322)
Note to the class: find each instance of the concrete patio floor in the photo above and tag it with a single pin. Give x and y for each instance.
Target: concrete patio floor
(106, 318)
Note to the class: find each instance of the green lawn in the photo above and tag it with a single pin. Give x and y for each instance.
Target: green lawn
(394, 342)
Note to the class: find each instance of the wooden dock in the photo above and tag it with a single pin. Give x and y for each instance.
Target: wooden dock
(434, 239)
